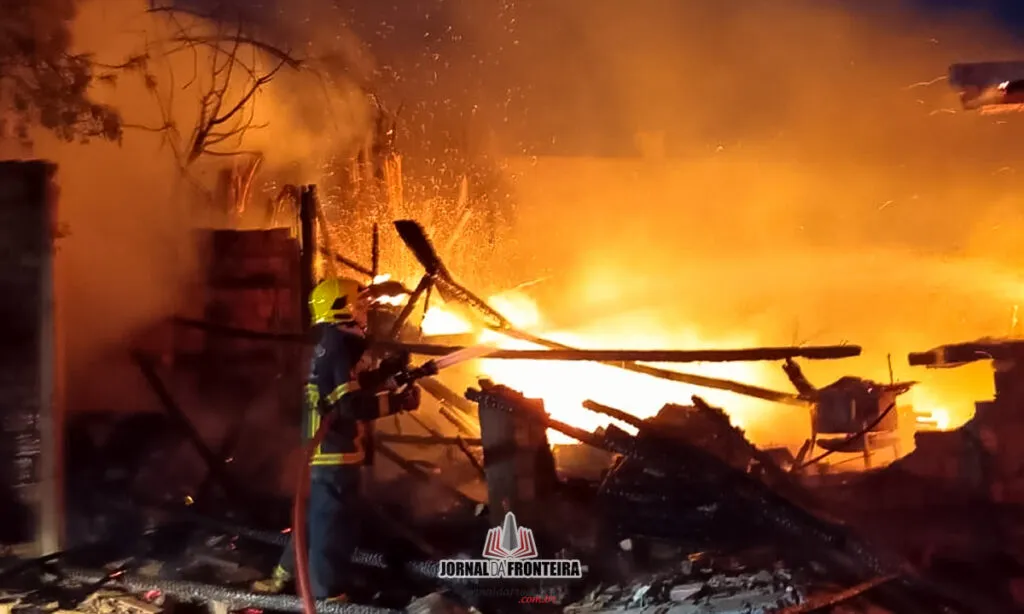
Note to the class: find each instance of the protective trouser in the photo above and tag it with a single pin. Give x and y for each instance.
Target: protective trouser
(331, 528)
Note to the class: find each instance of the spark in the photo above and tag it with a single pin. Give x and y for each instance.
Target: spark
(926, 83)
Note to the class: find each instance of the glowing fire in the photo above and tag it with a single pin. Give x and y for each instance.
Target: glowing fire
(565, 385)
(937, 419)
(930, 414)
(395, 300)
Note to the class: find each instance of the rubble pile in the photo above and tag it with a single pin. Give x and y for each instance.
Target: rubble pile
(691, 591)
(686, 516)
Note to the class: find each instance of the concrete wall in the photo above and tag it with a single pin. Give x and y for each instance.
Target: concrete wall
(30, 374)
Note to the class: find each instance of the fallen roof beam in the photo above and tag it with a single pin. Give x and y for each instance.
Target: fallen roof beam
(956, 354)
(626, 356)
(452, 291)
(422, 474)
(676, 376)
(342, 260)
(611, 412)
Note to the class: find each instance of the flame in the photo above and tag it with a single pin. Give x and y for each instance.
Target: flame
(397, 299)
(565, 385)
(931, 414)
(440, 321)
(942, 418)
(391, 300)
(934, 419)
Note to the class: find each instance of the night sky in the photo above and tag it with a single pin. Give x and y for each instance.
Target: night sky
(463, 78)
(1008, 12)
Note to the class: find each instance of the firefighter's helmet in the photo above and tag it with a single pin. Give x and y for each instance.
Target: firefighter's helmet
(333, 300)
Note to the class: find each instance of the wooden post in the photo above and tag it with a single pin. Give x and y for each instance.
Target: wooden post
(32, 382)
(307, 260)
(375, 251)
(514, 447)
(50, 535)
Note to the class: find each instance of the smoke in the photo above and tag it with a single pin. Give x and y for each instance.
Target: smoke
(130, 259)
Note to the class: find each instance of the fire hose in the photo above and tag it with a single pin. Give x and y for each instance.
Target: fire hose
(401, 377)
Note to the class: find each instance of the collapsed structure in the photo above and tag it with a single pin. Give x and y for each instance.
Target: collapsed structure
(685, 514)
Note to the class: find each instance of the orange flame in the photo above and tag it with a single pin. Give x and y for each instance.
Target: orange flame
(565, 385)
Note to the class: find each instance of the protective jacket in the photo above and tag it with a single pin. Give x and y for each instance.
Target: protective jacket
(333, 385)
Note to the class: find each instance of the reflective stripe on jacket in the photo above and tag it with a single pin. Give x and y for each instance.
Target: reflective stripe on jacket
(332, 386)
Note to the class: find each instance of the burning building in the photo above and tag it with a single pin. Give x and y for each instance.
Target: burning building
(706, 226)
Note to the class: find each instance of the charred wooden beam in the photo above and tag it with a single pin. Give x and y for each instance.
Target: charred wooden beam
(458, 442)
(611, 412)
(956, 354)
(307, 222)
(400, 529)
(324, 235)
(425, 282)
(375, 251)
(675, 376)
(214, 464)
(625, 356)
(420, 473)
(348, 262)
(453, 408)
(460, 421)
(773, 474)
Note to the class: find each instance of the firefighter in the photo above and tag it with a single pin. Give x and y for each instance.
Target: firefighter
(340, 382)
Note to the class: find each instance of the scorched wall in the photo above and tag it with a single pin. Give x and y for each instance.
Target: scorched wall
(30, 430)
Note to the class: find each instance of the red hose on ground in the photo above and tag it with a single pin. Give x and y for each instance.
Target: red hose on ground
(299, 518)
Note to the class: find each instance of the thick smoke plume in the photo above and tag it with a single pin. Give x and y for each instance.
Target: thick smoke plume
(131, 208)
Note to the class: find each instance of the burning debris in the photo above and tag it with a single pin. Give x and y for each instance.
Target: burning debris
(685, 514)
(863, 412)
(991, 87)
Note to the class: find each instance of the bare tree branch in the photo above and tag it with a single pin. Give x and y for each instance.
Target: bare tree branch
(237, 37)
(227, 106)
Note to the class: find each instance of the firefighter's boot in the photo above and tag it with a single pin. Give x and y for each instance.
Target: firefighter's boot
(274, 584)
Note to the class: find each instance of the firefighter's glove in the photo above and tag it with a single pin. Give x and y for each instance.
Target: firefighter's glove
(408, 399)
(383, 376)
(395, 363)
